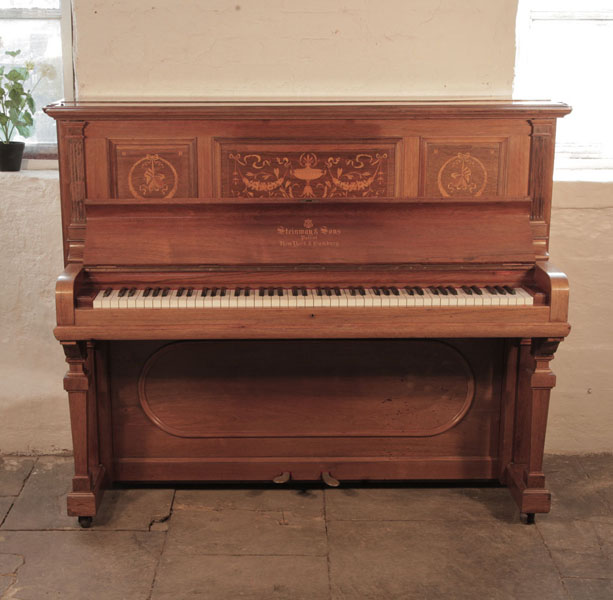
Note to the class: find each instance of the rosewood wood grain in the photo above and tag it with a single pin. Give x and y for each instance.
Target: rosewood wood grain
(281, 194)
(419, 232)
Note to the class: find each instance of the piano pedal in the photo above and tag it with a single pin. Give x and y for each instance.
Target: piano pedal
(329, 480)
(283, 478)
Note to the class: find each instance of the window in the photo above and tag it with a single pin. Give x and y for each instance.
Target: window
(35, 28)
(563, 52)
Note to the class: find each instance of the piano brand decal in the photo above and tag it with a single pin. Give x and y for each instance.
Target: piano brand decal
(309, 235)
(153, 177)
(462, 175)
(295, 174)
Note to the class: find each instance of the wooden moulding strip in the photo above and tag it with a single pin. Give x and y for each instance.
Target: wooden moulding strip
(304, 468)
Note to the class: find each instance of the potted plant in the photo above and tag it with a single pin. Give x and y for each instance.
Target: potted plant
(16, 109)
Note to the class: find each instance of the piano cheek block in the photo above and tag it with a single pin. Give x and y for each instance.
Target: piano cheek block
(383, 337)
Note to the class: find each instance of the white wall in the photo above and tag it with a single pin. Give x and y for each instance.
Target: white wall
(367, 48)
(313, 48)
(33, 406)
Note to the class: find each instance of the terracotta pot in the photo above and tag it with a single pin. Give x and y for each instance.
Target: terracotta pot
(11, 155)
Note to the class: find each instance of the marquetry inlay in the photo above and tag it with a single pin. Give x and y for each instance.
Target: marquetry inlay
(310, 171)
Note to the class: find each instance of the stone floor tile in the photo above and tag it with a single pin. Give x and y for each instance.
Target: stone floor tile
(589, 589)
(5, 504)
(136, 508)
(575, 493)
(244, 577)
(74, 565)
(599, 468)
(42, 503)
(413, 503)
(210, 531)
(437, 559)
(13, 472)
(305, 502)
(580, 548)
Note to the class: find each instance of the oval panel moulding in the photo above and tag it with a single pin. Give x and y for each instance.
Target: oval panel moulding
(306, 388)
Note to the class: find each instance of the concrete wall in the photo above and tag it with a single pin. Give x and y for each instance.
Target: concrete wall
(276, 48)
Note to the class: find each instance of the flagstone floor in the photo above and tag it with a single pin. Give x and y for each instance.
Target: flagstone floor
(373, 543)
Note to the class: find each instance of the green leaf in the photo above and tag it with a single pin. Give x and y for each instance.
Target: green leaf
(17, 74)
(16, 96)
(31, 104)
(3, 119)
(13, 53)
(24, 130)
(27, 118)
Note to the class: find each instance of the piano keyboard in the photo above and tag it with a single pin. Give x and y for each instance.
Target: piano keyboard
(302, 297)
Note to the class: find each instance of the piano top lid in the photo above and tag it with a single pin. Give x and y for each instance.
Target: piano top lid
(317, 109)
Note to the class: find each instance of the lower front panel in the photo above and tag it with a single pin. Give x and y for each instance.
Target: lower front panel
(359, 409)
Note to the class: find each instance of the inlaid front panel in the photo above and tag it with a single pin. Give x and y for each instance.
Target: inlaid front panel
(463, 168)
(153, 169)
(254, 169)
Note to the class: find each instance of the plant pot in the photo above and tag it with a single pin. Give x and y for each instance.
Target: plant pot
(11, 155)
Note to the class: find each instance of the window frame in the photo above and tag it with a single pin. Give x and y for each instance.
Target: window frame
(574, 159)
(45, 154)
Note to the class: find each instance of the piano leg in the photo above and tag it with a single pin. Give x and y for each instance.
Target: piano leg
(87, 483)
(525, 476)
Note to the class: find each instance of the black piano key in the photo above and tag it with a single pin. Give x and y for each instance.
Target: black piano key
(107, 292)
(443, 291)
(395, 291)
(180, 292)
(132, 292)
(156, 292)
(214, 292)
(477, 291)
(419, 291)
(434, 290)
(409, 290)
(122, 292)
(262, 291)
(337, 291)
(304, 291)
(237, 291)
(205, 291)
(352, 290)
(327, 291)
(500, 290)
(509, 290)
(491, 290)
(294, 291)
(280, 292)
(223, 291)
(318, 291)
(190, 292)
(362, 291)
(247, 291)
(147, 292)
(467, 290)
(165, 292)
(385, 290)
(271, 292)
(452, 290)
(377, 291)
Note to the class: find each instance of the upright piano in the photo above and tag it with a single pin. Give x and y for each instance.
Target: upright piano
(298, 292)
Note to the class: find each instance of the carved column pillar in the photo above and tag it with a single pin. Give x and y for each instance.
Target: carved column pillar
(76, 383)
(89, 474)
(535, 381)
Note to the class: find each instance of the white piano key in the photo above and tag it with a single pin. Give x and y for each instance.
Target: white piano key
(98, 299)
(122, 301)
(113, 299)
(174, 300)
(433, 299)
(285, 300)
